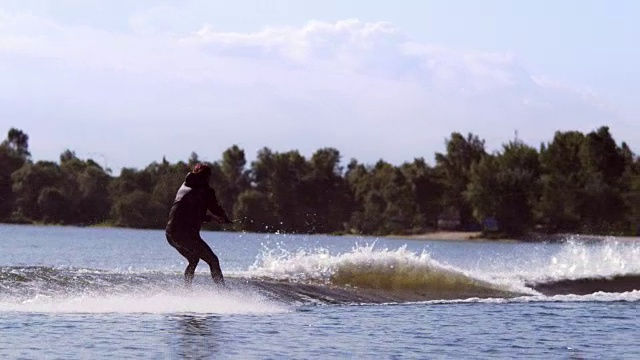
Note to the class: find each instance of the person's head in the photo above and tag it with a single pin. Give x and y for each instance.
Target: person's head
(199, 175)
(202, 170)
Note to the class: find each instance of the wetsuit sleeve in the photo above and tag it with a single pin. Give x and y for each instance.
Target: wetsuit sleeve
(214, 206)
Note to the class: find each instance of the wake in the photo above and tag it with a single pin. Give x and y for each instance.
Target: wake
(70, 290)
(204, 302)
(281, 281)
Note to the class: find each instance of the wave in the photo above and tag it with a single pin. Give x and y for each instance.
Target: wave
(51, 289)
(279, 279)
(578, 259)
(585, 286)
(401, 275)
(72, 290)
(630, 296)
(162, 293)
(398, 272)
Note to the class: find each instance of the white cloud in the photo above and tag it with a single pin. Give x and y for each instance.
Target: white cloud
(362, 87)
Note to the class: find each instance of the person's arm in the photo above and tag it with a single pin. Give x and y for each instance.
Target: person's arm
(214, 207)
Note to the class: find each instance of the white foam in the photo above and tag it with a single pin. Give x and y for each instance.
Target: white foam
(573, 260)
(198, 301)
(607, 258)
(631, 296)
(319, 264)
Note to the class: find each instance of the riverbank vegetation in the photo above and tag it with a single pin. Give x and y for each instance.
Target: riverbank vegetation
(575, 183)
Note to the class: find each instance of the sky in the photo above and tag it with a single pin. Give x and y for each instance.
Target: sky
(130, 82)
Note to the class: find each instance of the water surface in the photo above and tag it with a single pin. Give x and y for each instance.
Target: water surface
(96, 292)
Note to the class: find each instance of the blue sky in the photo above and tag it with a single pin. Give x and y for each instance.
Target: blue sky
(128, 82)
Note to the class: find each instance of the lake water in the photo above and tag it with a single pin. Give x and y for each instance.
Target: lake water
(117, 293)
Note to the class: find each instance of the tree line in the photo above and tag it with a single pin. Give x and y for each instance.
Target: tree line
(576, 183)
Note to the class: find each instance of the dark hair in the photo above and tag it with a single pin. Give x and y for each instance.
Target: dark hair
(201, 168)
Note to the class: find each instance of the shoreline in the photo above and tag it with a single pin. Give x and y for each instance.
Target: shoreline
(531, 238)
(427, 236)
(450, 236)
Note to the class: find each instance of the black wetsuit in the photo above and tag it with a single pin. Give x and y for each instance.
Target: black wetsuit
(187, 214)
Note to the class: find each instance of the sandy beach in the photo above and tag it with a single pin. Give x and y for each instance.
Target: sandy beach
(443, 235)
(477, 236)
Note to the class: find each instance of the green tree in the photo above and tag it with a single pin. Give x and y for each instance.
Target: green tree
(384, 199)
(355, 178)
(401, 213)
(324, 192)
(28, 183)
(18, 142)
(94, 204)
(131, 180)
(137, 199)
(632, 197)
(577, 182)
(233, 178)
(506, 187)
(428, 189)
(255, 211)
(603, 164)
(279, 176)
(601, 155)
(14, 153)
(138, 210)
(455, 166)
(563, 182)
(54, 205)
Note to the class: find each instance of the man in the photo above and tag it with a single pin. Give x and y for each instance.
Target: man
(194, 198)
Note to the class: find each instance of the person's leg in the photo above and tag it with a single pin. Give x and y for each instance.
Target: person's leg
(191, 257)
(205, 253)
(190, 271)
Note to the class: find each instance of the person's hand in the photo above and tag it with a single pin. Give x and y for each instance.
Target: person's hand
(221, 219)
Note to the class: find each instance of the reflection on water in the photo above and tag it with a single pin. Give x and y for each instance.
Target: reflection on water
(195, 337)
